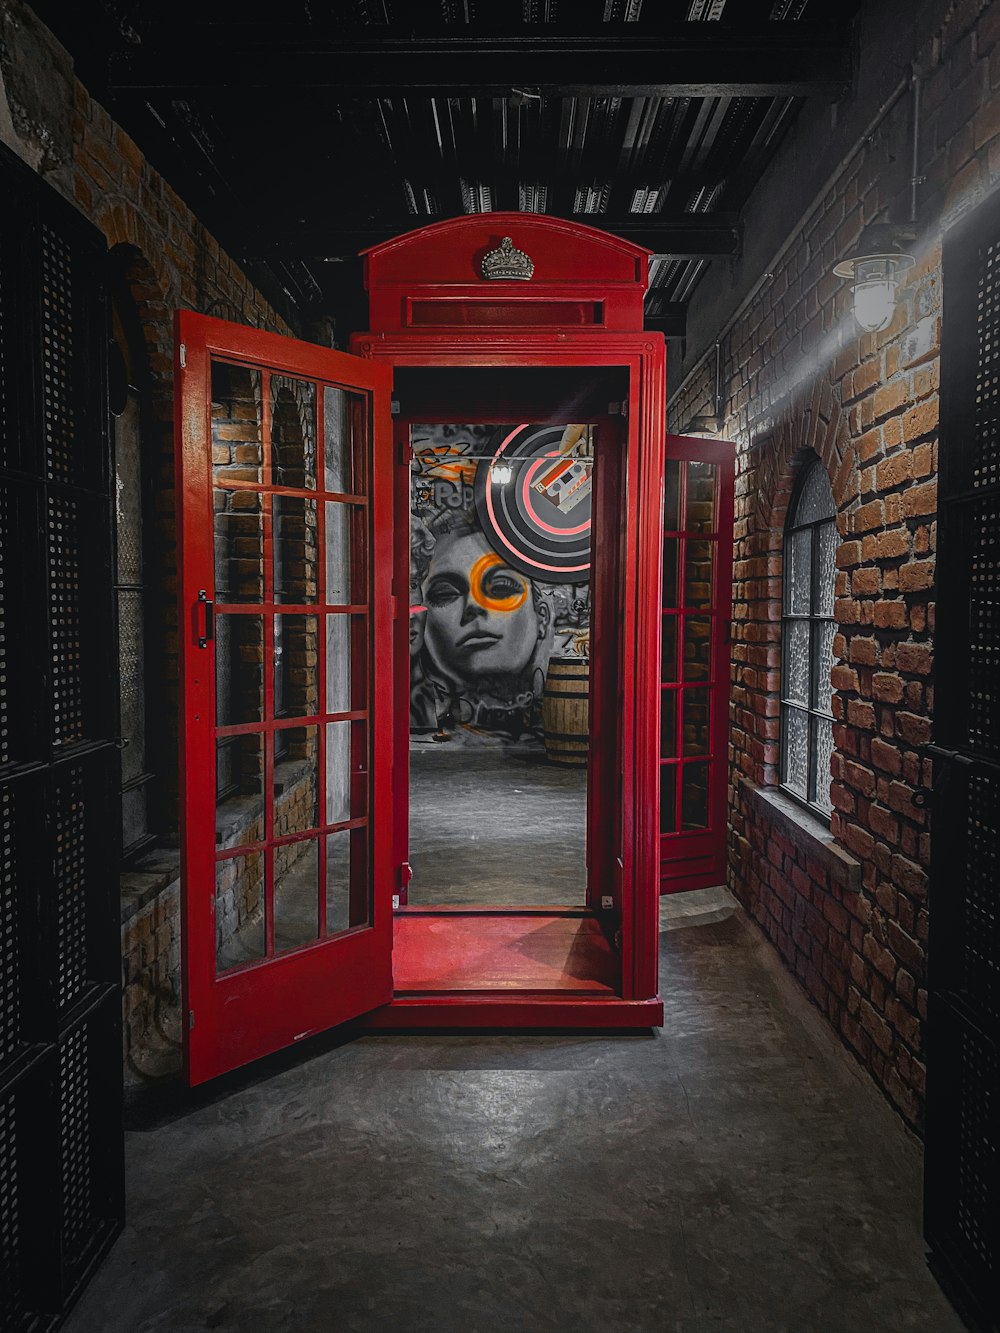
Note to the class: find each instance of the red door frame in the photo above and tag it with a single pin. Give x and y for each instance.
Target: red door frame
(634, 861)
(253, 1010)
(697, 859)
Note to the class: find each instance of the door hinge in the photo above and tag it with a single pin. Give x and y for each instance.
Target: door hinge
(405, 874)
(183, 355)
(393, 606)
(394, 407)
(190, 1019)
(395, 902)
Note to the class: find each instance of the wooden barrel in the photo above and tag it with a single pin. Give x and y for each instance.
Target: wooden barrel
(565, 710)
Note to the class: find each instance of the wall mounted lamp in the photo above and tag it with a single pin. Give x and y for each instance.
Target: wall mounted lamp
(875, 269)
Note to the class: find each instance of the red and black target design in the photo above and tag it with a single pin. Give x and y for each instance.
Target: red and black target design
(534, 501)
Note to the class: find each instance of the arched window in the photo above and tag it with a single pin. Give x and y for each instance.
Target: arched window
(807, 630)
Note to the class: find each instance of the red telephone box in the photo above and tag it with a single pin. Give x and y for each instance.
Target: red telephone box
(295, 526)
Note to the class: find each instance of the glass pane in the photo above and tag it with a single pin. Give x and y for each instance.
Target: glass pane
(345, 424)
(128, 492)
(296, 780)
(239, 790)
(694, 796)
(697, 706)
(798, 572)
(346, 663)
(239, 547)
(346, 880)
(826, 575)
(697, 647)
(671, 547)
(672, 496)
(294, 544)
(668, 724)
(823, 632)
(668, 798)
(699, 513)
(698, 566)
(296, 666)
(796, 683)
(815, 500)
(296, 894)
(239, 910)
(135, 825)
(795, 751)
(346, 771)
(236, 415)
(293, 432)
(823, 740)
(345, 572)
(131, 675)
(239, 670)
(668, 663)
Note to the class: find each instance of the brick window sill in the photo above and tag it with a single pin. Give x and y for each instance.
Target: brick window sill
(806, 833)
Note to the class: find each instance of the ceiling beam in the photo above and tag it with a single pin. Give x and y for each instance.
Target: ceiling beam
(670, 320)
(672, 60)
(679, 235)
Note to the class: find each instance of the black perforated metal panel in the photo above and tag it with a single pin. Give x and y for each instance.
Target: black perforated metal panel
(962, 1159)
(984, 622)
(12, 1283)
(60, 1007)
(11, 982)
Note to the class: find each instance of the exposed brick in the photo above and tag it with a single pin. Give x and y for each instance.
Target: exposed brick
(887, 688)
(916, 576)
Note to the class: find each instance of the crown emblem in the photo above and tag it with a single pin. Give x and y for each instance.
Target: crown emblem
(506, 262)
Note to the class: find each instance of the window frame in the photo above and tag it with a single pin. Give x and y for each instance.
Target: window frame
(815, 618)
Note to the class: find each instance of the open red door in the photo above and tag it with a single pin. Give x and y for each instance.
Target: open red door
(285, 529)
(694, 674)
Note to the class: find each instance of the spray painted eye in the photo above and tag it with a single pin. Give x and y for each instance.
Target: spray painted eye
(442, 592)
(503, 585)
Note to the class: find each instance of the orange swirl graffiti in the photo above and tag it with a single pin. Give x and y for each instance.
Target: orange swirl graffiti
(482, 598)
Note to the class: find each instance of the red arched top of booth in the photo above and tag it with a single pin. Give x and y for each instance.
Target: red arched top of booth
(432, 277)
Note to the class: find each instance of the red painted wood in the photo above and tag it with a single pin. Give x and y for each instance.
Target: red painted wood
(260, 1007)
(456, 951)
(430, 281)
(697, 859)
(628, 828)
(515, 1011)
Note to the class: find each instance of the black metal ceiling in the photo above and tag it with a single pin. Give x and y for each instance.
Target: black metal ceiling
(301, 139)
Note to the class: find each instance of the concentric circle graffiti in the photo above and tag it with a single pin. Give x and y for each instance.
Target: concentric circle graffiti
(533, 499)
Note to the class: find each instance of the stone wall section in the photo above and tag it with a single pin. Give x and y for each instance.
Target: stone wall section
(799, 378)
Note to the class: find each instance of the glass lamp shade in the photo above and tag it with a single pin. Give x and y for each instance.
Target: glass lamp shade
(500, 473)
(875, 303)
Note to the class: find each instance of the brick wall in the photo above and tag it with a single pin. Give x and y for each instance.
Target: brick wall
(799, 379)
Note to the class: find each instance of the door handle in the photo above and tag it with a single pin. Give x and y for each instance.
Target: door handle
(208, 623)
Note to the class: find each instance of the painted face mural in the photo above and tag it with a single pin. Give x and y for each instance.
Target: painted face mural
(481, 618)
(481, 631)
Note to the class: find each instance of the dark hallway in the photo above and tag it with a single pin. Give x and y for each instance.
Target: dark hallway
(499, 737)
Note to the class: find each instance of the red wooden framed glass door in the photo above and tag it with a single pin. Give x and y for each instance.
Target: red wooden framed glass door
(285, 532)
(694, 672)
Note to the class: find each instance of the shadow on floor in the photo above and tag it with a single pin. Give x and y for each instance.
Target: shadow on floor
(734, 1173)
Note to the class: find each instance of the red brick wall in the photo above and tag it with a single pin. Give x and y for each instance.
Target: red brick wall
(799, 378)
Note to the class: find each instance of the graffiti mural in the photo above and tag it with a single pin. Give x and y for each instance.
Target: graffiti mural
(499, 569)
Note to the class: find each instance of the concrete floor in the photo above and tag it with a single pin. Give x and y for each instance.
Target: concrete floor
(734, 1173)
(495, 823)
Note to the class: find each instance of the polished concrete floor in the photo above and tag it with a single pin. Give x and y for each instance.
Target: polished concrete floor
(734, 1173)
(497, 824)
